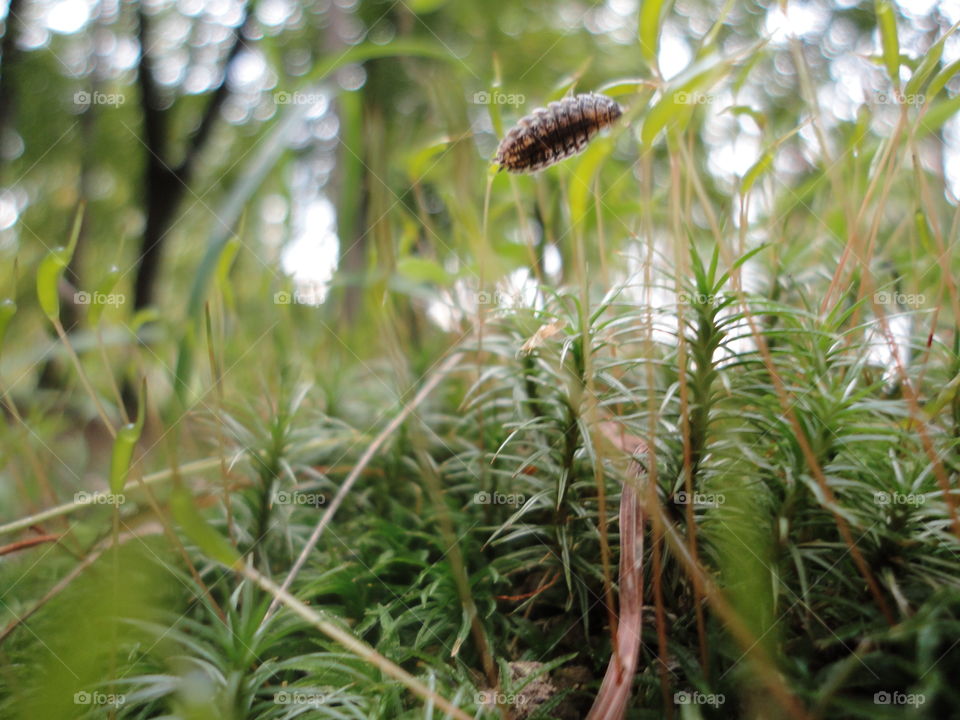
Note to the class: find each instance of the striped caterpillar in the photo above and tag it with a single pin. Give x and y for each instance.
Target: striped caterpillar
(551, 134)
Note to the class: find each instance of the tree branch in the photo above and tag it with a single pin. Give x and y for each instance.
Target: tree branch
(165, 183)
(8, 53)
(154, 115)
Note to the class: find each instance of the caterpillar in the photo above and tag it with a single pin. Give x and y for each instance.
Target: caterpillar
(551, 134)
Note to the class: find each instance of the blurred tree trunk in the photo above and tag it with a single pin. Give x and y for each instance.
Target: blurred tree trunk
(8, 91)
(352, 203)
(89, 157)
(166, 181)
(350, 190)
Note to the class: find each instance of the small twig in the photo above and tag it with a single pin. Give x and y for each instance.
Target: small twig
(194, 467)
(98, 497)
(533, 593)
(614, 695)
(29, 542)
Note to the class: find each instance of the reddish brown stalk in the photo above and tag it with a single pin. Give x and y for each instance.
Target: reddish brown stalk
(611, 701)
(763, 665)
(925, 202)
(660, 615)
(29, 542)
(829, 499)
(682, 362)
(916, 414)
(853, 244)
(532, 593)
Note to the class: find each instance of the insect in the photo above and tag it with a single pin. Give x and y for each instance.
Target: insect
(551, 134)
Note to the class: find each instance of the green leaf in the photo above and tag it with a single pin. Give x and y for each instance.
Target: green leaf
(420, 162)
(493, 109)
(759, 167)
(930, 61)
(225, 262)
(887, 22)
(946, 396)
(651, 15)
(934, 118)
(675, 108)
(8, 308)
(104, 288)
(421, 7)
(581, 187)
(398, 48)
(147, 315)
(626, 86)
(941, 79)
(225, 265)
(48, 278)
(209, 541)
(566, 84)
(122, 456)
(124, 444)
(668, 113)
(926, 67)
(758, 117)
(707, 44)
(738, 263)
(51, 270)
(423, 270)
(923, 231)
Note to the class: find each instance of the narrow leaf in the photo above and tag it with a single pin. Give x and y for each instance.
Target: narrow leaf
(8, 308)
(51, 269)
(103, 291)
(651, 14)
(209, 541)
(941, 79)
(759, 167)
(125, 443)
(887, 22)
